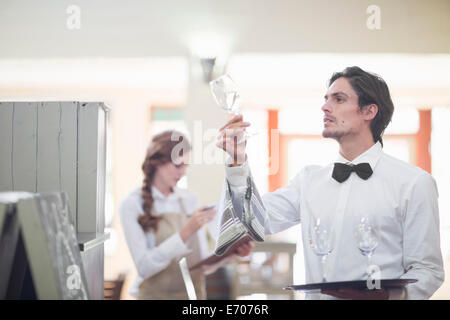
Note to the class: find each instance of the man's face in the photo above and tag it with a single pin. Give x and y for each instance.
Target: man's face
(342, 116)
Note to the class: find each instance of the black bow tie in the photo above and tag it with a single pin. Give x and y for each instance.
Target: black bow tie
(342, 171)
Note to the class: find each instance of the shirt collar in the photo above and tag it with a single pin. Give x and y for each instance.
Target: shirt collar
(158, 194)
(371, 155)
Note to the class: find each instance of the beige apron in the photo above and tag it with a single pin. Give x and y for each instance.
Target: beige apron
(168, 283)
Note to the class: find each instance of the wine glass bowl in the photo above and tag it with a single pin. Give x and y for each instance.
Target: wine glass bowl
(367, 236)
(321, 240)
(226, 94)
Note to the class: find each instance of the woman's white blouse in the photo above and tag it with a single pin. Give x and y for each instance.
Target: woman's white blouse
(148, 258)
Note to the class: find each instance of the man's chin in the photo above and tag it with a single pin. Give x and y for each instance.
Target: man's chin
(329, 134)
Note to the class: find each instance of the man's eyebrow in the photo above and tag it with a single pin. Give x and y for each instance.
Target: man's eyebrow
(336, 94)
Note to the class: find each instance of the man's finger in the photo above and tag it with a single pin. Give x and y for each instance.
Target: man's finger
(234, 126)
(230, 131)
(236, 118)
(231, 142)
(238, 132)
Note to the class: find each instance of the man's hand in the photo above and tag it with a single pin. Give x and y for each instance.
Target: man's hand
(228, 138)
(353, 294)
(244, 249)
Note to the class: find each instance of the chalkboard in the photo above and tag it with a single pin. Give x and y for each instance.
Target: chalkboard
(8, 202)
(3, 212)
(13, 266)
(52, 248)
(8, 242)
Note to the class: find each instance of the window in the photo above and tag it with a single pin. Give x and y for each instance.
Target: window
(168, 118)
(257, 149)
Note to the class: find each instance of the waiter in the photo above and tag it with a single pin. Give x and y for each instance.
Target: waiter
(357, 110)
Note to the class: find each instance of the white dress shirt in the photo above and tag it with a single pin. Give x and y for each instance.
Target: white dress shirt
(403, 198)
(148, 258)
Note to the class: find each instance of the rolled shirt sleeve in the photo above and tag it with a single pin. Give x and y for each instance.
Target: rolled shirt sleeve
(280, 208)
(422, 258)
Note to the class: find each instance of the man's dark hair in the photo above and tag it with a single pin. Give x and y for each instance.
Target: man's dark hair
(371, 89)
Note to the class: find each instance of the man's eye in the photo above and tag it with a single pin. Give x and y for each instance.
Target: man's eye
(339, 99)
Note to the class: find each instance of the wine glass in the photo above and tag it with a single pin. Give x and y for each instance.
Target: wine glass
(367, 237)
(321, 240)
(226, 95)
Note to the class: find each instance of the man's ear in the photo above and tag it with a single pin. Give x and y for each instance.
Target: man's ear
(370, 111)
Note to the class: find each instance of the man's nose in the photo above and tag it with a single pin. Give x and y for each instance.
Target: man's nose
(326, 108)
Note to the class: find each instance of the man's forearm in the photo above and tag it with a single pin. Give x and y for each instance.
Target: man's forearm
(236, 174)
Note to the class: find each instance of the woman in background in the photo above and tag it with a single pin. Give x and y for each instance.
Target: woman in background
(162, 223)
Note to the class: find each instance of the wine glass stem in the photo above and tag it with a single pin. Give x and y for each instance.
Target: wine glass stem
(324, 268)
(369, 274)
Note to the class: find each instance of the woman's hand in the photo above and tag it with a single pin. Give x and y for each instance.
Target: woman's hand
(244, 249)
(196, 221)
(228, 137)
(241, 250)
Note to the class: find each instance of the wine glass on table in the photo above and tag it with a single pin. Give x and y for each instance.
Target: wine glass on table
(226, 95)
(321, 240)
(367, 237)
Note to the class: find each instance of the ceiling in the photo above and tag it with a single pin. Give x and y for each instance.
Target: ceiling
(149, 28)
